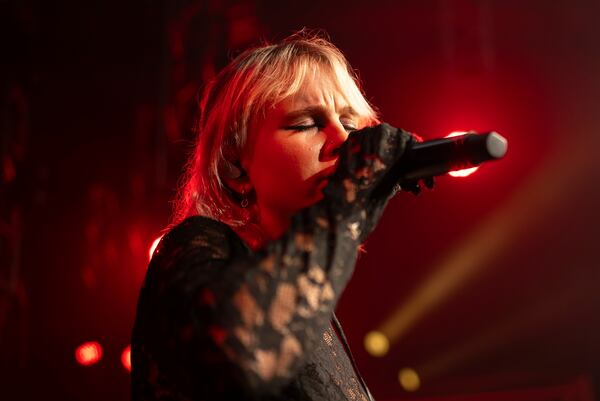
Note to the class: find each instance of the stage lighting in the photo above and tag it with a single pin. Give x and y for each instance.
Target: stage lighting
(126, 358)
(153, 247)
(88, 353)
(376, 343)
(409, 379)
(464, 172)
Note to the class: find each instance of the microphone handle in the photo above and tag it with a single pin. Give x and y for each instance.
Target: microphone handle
(439, 156)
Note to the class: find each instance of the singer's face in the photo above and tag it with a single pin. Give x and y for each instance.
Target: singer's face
(291, 152)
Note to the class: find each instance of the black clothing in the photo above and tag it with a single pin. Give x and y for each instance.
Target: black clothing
(218, 321)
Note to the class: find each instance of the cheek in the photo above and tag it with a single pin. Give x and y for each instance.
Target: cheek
(282, 170)
(294, 157)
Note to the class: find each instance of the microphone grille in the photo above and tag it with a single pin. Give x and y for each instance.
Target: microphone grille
(496, 145)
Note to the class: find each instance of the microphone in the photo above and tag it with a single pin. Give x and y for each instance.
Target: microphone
(439, 156)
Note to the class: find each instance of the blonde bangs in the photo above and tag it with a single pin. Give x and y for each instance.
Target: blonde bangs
(284, 79)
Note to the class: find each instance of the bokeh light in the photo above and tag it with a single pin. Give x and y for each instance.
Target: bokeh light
(409, 379)
(88, 353)
(126, 358)
(376, 343)
(464, 172)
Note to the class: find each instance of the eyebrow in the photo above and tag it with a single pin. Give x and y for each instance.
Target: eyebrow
(348, 110)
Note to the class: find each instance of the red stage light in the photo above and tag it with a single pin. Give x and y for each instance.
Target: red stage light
(464, 172)
(153, 247)
(88, 353)
(126, 358)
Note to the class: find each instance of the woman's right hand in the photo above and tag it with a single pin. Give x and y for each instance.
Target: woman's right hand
(367, 176)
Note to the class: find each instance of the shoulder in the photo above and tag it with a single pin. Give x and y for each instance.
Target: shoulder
(197, 250)
(196, 237)
(195, 228)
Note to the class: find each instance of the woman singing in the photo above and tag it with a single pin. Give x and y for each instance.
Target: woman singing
(289, 175)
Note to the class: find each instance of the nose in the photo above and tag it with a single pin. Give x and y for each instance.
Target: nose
(335, 136)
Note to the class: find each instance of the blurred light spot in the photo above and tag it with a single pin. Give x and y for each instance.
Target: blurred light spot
(153, 247)
(88, 353)
(9, 170)
(88, 277)
(126, 358)
(376, 343)
(409, 379)
(464, 172)
(136, 241)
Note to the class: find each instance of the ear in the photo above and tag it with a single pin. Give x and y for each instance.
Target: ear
(235, 177)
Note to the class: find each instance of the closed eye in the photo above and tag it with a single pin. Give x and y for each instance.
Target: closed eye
(304, 127)
(349, 123)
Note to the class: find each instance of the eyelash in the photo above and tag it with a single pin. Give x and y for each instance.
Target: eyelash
(348, 128)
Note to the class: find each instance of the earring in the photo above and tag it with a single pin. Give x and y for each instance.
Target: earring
(244, 202)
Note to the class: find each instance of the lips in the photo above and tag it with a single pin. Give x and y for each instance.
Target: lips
(322, 178)
(327, 172)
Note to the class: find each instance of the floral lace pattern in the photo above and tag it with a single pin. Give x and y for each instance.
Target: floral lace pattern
(218, 321)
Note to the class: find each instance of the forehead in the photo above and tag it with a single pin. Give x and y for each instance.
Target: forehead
(316, 90)
(327, 90)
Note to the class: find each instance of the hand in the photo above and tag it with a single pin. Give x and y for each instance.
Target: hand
(367, 176)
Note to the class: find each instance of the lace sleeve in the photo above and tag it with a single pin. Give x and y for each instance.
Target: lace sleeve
(215, 318)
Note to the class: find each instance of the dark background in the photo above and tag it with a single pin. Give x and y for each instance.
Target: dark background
(493, 277)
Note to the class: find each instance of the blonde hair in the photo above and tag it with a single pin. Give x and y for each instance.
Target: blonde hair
(239, 95)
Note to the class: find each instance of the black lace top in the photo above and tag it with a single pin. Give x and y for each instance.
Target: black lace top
(218, 321)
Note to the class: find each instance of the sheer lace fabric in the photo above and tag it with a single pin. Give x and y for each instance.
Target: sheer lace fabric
(218, 321)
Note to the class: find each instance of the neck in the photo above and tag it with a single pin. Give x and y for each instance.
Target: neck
(273, 225)
(269, 227)
(252, 235)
